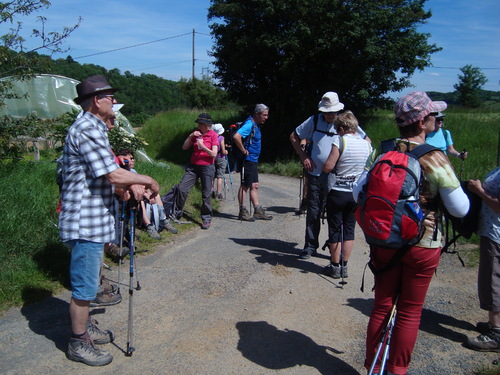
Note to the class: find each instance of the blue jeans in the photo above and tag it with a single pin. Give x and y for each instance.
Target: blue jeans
(315, 204)
(206, 175)
(85, 267)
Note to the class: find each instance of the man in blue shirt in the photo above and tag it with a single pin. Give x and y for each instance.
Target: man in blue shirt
(248, 140)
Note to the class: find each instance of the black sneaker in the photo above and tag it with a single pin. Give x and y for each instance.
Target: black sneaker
(83, 350)
(483, 327)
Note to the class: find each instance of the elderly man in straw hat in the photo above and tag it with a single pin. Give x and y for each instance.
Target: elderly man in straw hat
(320, 130)
(86, 222)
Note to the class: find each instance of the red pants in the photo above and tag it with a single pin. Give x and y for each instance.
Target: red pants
(412, 276)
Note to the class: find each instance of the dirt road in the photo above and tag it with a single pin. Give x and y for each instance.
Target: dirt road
(236, 300)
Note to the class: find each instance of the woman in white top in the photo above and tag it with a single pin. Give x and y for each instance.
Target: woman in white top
(344, 165)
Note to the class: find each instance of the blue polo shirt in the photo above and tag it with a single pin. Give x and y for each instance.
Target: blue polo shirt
(254, 146)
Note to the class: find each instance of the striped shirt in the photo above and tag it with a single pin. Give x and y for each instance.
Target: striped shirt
(87, 196)
(355, 150)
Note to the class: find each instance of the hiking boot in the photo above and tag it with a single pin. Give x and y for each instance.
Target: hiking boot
(245, 215)
(107, 287)
(306, 254)
(83, 350)
(170, 227)
(332, 271)
(220, 196)
(106, 299)
(113, 251)
(483, 327)
(260, 213)
(206, 224)
(344, 272)
(152, 232)
(97, 335)
(487, 342)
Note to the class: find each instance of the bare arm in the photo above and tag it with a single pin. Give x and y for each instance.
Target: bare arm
(223, 147)
(188, 143)
(123, 178)
(493, 202)
(304, 158)
(238, 141)
(331, 162)
(211, 152)
(451, 151)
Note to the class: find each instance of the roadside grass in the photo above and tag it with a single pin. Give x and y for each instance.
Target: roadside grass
(34, 263)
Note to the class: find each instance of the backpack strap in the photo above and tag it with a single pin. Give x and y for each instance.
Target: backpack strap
(315, 121)
(422, 149)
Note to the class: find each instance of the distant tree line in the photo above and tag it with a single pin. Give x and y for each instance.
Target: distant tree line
(144, 95)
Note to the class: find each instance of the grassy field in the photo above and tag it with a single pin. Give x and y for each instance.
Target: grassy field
(34, 263)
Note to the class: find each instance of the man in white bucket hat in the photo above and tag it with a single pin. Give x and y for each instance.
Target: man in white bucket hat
(319, 129)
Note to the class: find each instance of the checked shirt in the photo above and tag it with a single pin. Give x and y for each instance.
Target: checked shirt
(87, 196)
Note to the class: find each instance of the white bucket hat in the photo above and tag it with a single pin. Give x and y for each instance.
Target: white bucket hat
(330, 103)
(218, 128)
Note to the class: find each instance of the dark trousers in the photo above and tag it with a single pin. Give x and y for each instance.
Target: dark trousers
(206, 175)
(315, 204)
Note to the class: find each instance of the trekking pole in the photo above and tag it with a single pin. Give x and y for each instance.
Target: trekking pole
(130, 348)
(301, 184)
(122, 234)
(385, 337)
(122, 229)
(230, 178)
(462, 167)
(343, 282)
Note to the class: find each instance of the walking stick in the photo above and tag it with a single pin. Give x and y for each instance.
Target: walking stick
(385, 337)
(343, 282)
(122, 229)
(130, 347)
(230, 178)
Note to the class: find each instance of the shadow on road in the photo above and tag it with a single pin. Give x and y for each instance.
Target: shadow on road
(432, 322)
(267, 346)
(50, 318)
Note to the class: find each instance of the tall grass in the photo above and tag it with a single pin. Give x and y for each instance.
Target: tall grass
(33, 262)
(32, 258)
(474, 130)
(167, 131)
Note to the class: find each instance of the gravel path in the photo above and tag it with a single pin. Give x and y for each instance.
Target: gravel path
(236, 300)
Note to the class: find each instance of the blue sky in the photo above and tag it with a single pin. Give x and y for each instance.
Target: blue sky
(468, 31)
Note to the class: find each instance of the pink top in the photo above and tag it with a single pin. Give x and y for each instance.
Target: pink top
(200, 157)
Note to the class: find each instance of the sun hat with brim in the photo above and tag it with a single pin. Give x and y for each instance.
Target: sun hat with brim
(330, 103)
(92, 86)
(204, 118)
(414, 106)
(440, 115)
(218, 128)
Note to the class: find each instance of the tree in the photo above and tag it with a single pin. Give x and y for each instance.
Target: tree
(469, 84)
(17, 62)
(201, 93)
(287, 53)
